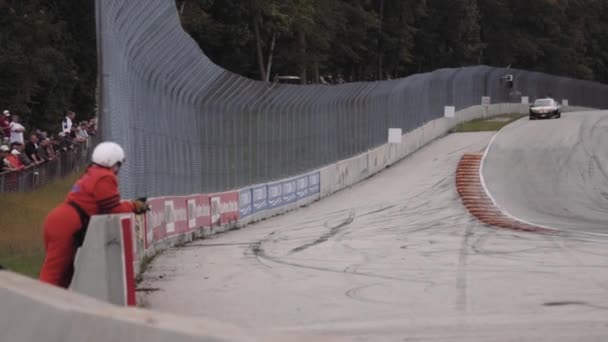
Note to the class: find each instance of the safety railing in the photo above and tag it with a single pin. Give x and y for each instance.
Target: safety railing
(36, 176)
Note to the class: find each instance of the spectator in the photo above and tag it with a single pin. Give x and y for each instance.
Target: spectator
(5, 165)
(5, 124)
(39, 134)
(43, 150)
(92, 126)
(31, 149)
(68, 122)
(82, 133)
(65, 142)
(16, 130)
(23, 158)
(55, 143)
(3, 153)
(49, 146)
(12, 161)
(43, 135)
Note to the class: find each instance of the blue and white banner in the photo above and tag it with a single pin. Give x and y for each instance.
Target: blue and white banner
(289, 191)
(245, 203)
(314, 183)
(259, 198)
(302, 188)
(275, 195)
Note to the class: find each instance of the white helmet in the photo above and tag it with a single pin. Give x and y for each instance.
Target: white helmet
(107, 154)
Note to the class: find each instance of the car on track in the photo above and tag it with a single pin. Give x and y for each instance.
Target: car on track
(545, 108)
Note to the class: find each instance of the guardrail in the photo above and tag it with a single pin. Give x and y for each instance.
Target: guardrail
(36, 176)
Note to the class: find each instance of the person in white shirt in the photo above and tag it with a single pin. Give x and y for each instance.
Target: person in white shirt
(83, 129)
(16, 130)
(67, 123)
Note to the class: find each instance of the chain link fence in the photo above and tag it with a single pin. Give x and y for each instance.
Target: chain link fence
(36, 176)
(189, 126)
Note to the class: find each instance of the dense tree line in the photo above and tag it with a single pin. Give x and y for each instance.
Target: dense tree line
(379, 39)
(48, 63)
(47, 60)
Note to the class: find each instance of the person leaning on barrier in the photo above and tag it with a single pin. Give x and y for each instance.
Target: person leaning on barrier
(5, 160)
(23, 158)
(43, 151)
(31, 149)
(12, 161)
(94, 193)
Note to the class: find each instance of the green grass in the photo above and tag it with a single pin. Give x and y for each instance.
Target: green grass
(25, 264)
(21, 218)
(490, 124)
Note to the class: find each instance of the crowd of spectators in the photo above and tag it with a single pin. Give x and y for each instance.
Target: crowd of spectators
(18, 153)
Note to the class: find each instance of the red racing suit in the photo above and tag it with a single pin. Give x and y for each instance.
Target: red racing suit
(96, 192)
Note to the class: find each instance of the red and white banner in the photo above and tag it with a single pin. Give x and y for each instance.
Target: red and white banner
(199, 212)
(168, 216)
(224, 207)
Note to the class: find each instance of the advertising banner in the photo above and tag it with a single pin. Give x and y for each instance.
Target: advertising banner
(259, 198)
(302, 188)
(275, 195)
(245, 203)
(314, 183)
(199, 212)
(168, 216)
(224, 207)
(289, 191)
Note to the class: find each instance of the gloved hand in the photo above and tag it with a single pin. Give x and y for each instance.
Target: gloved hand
(141, 206)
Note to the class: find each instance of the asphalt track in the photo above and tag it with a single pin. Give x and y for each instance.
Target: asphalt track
(395, 258)
(553, 173)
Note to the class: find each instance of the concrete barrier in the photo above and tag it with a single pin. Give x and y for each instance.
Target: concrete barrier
(103, 270)
(577, 109)
(378, 158)
(486, 111)
(32, 311)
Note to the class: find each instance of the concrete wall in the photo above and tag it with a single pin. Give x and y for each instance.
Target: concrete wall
(32, 312)
(101, 257)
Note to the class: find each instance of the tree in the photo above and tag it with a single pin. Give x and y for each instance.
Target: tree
(449, 35)
(47, 60)
(398, 24)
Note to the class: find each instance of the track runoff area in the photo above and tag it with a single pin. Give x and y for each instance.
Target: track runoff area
(399, 255)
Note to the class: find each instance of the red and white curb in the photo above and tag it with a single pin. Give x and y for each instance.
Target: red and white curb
(475, 198)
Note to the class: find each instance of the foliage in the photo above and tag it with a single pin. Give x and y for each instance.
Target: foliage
(378, 39)
(47, 60)
(48, 51)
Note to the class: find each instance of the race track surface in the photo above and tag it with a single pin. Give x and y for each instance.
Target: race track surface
(395, 258)
(553, 173)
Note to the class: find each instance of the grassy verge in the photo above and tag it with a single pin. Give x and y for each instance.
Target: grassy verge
(491, 124)
(21, 218)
